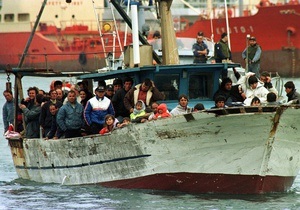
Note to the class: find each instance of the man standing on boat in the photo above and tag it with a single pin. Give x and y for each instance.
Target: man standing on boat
(118, 100)
(222, 51)
(69, 117)
(8, 114)
(46, 116)
(252, 55)
(147, 92)
(200, 49)
(96, 109)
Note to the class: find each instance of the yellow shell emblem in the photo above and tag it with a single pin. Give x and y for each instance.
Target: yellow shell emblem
(106, 27)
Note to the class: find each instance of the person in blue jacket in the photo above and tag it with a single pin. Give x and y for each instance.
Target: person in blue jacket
(70, 117)
(200, 49)
(96, 109)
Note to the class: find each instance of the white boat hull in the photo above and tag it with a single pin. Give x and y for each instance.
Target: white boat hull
(196, 153)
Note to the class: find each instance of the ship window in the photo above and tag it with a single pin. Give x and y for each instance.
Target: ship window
(168, 84)
(23, 17)
(9, 17)
(200, 86)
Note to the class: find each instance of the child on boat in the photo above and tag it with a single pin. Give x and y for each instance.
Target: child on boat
(138, 112)
(162, 112)
(126, 121)
(110, 124)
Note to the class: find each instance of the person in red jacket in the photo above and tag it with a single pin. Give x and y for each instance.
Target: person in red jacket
(109, 125)
(162, 112)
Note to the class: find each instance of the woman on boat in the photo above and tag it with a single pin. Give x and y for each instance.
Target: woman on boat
(84, 97)
(182, 107)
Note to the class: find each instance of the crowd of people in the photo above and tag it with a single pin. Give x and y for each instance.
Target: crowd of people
(78, 112)
(255, 88)
(54, 115)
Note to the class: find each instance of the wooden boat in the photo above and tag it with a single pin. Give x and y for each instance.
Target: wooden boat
(237, 150)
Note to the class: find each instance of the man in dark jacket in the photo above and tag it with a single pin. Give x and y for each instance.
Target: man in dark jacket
(231, 93)
(147, 92)
(293, 96)
(222, 51)
(252, 55)
(118, 100)
(46, 116)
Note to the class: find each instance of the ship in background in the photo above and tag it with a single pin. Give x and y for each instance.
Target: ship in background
(274, 25)
(68, 36)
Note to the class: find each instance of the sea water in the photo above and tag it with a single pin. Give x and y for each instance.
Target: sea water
(18, 194)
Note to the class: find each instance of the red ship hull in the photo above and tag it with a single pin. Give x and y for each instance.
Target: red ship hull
(275, 28)
(45, 53)
(207, 183)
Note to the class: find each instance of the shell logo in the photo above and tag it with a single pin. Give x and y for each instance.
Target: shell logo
(106, 27)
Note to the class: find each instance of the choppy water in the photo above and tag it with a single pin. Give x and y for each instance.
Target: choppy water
(19, 194)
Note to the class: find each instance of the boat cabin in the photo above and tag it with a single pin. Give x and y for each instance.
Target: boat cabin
(198, 81)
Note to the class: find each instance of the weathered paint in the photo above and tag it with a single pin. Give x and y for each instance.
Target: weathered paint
(252, 152)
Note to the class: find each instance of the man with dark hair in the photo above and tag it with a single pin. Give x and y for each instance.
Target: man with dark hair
(291, 93)
(118, 100)
(231, 92)
(252, 55)
(182, 107)
(265, 78)
(58, 84)
(32, 116)
(200, 50)
(118, 84)
(46, 116)
(8, 114)
(222, 51)
(69, 117)
(146, 91)
(219, 102)
(29, 101)
(271, 99)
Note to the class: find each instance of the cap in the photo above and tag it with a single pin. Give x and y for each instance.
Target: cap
(110, 87)
(252, 38)
(100, 89)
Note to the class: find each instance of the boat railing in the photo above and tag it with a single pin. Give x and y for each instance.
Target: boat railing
(277, 82)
